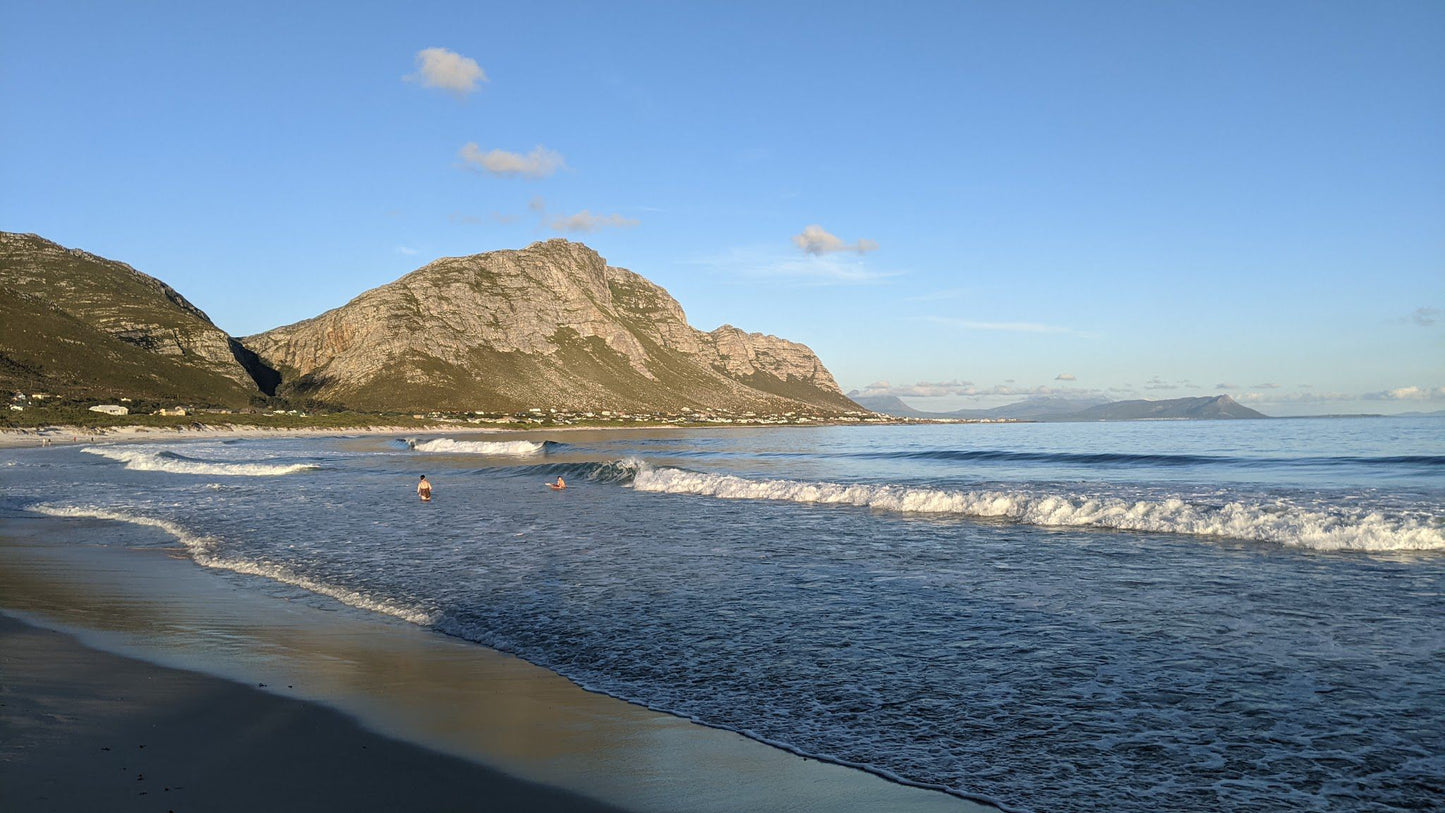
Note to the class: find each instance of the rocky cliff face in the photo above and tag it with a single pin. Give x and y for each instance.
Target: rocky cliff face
(551, 325)
(54, 289)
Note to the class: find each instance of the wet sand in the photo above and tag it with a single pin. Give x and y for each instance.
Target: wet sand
(339, 684)
(87, 730)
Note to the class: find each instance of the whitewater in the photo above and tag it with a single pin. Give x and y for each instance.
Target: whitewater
(1183, 616)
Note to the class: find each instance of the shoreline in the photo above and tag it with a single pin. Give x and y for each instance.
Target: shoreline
(130, 433)
(401, 682)
(133, 433)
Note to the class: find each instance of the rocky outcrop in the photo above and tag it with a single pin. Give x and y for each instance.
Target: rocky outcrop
(121, 303)
(551, 325)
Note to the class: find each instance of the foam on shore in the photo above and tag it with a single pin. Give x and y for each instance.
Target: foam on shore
(202, 550)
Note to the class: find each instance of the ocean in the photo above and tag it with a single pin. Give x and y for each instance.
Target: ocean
(1162, 616)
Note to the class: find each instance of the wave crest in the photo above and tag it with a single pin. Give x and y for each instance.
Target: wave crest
(202, 550)
(148, 460)
(1277, 521)
(516, 448)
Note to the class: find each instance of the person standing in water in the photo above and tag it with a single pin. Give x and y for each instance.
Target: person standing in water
(423, 489)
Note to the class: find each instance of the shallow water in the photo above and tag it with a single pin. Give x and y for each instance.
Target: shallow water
(1150, 616)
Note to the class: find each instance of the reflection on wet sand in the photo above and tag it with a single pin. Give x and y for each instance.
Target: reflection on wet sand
(411, 683)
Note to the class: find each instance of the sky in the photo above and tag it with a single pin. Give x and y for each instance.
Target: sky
(960, 203)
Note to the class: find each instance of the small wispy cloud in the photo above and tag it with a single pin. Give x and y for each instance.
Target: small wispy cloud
(585, 221)
(1268, 385)
(1407, 394)
(934, 296)
(482, 220)
(1307, 395)
(1003, 327)
(967, 389)
(539, 163)
(1226, 386)
(816, 240)
(406, 250)
(923, 389)
(1295, 397)
(1426, 317)
(447, 70)
(1066, 377)
(772, 264)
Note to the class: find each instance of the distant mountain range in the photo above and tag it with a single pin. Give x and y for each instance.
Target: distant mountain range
(1218, 407)
(548, 326)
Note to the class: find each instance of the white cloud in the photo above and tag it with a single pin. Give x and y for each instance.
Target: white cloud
(1226, 386)
(539, 163)
(585, 221)
(1265, 386)
(967, 389)
(1294, 397)
(1399, 394)
(923, 389)
(406, 250)
(1407, 394)
(448, 70)
(774, 264)
(1006, 327)
(1066, 377)
(816, 240)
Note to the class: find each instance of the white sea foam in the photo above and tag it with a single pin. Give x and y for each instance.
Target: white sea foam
(202, 550)
(517, 448)
(142, 459)
(1276, 521)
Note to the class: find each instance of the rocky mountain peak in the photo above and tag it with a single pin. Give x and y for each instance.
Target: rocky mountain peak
(556, 308)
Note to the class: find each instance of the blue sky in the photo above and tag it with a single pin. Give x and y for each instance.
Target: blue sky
(960, 203)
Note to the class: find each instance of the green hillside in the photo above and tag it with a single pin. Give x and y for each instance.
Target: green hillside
(76, 325)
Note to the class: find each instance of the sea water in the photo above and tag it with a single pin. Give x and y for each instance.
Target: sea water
(1221, 615)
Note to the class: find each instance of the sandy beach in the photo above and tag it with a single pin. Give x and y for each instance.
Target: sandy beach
(93, 731)
(63, 435)
(234, 697)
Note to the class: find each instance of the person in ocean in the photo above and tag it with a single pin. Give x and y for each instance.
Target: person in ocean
(423, 489)
(559, 485)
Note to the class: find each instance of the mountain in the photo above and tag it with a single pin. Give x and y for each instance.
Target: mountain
(1206, 408)
(1056, 408)
(1040, 408)
(550, 325)
(75, 324)
(1043, 408)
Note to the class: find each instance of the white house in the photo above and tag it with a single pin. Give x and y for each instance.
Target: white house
(110, 409)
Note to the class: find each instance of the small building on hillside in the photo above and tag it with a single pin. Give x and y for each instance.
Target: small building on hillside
(110, 409)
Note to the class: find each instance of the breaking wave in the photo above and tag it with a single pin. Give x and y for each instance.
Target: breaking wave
(149, 460)
(202, 550)
(517, 448)
(1278, 521)
(1427, 462)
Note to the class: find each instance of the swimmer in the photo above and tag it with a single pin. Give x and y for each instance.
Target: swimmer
(559, 485)
(423, 489)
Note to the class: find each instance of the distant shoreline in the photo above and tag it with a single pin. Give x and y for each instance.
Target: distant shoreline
(63, 435)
